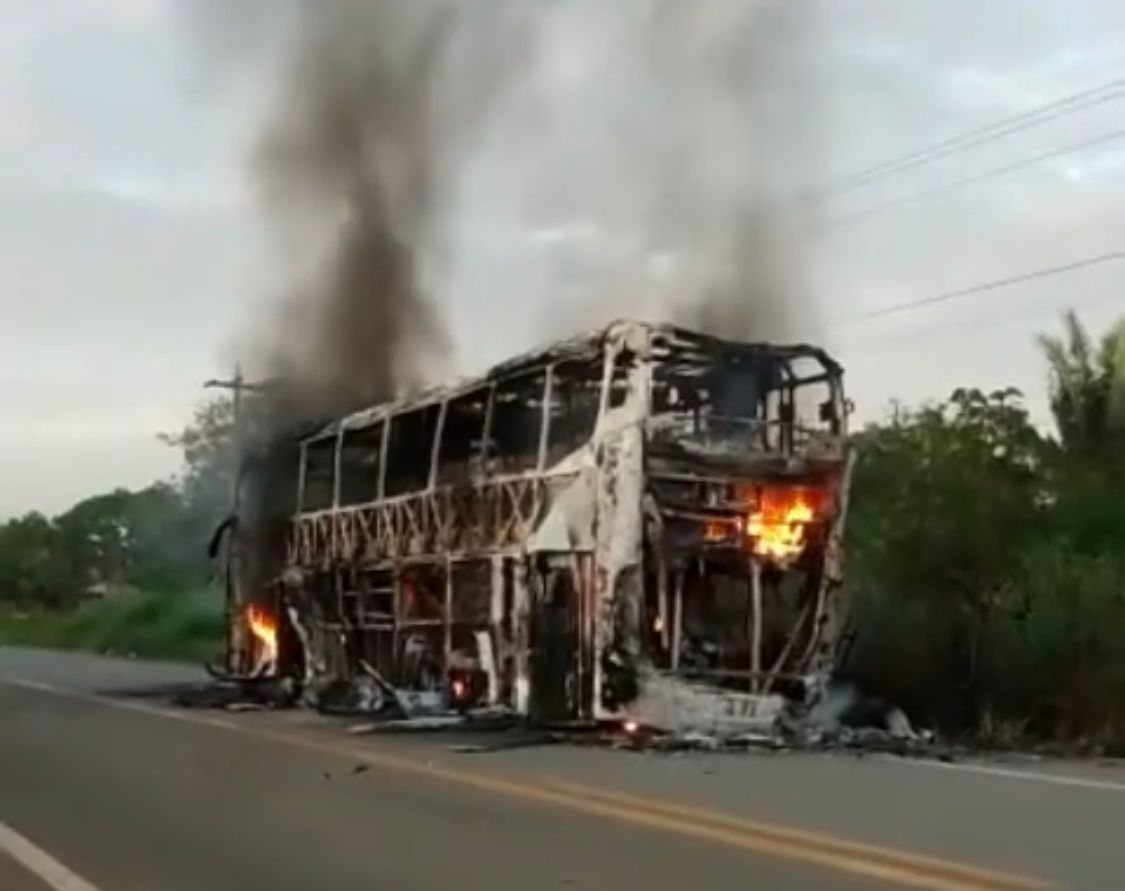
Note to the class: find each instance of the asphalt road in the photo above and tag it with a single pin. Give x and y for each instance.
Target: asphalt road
(126, 793)
(14, 876)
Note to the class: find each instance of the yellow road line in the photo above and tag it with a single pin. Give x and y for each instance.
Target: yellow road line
(899, 868)
(938, 866)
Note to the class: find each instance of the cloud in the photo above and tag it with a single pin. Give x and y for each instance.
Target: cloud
(91, 424)
(16, 123)
(131, 16)
(211, 195)
(46, 477)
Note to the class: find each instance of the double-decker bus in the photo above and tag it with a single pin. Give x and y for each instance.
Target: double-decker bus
(639, 524)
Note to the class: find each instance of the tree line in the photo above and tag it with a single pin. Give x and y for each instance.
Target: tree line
(152, 540)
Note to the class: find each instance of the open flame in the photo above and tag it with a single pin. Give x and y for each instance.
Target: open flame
(264, 630)
(778, 528)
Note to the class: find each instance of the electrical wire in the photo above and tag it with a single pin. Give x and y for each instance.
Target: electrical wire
(1095, 96)
(881, 207)
(995, 284)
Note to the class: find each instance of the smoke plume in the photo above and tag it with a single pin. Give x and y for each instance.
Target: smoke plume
(349, 148)
(375, 108)
(494, 169)
(643, 165)
(512, 166)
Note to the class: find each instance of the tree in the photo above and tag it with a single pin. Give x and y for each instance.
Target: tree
(95, 542)
(30, 571)
(210, 459)
(1087, 386)
(149, 539)
(209, 462)
(945, 500)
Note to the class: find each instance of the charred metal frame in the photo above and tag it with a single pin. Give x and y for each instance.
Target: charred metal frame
(575, 589)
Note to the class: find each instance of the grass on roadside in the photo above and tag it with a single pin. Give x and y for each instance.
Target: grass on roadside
(170, 626)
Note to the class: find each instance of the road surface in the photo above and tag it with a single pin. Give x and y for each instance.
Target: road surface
(126, 793)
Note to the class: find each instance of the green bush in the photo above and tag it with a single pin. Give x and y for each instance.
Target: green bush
(173, 626)
(986, 575)
(1064, 664)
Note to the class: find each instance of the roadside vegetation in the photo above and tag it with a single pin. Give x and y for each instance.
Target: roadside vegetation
(985, 558)
(186, 625)
(125, 572)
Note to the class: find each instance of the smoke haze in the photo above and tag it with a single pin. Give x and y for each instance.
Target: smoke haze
(430, 161)
(377, 104)
(642, 164)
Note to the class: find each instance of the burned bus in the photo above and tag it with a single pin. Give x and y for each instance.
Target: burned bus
(641, 524)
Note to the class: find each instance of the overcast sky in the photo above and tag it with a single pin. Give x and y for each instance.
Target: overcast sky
(132, 254)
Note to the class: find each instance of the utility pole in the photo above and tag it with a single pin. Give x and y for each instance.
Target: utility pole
(236, 633)
(237, 385)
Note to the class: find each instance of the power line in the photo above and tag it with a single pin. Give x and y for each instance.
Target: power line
(1036, 117)
(976, 178)
(993, 285)
(866, 347)
(1076, 102)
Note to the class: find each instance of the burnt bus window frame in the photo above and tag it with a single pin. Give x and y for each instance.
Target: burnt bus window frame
(468, 464)
(780, 373)
(702, 373)
(808, 373)
(313, 479)
(619, 367)
(401, 475)
(351, 484)
(497, 460)
(584, 417)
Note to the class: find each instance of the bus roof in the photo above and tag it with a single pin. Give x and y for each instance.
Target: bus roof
(629, 333)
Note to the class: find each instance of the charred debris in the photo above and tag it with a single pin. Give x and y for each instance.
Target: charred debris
(637, 529)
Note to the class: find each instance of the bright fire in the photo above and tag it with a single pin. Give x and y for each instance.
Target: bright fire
(778, 527)
(265, 630)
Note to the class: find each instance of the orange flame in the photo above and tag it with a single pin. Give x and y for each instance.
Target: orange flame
(265, 630)
(719, 531)
(778, 527)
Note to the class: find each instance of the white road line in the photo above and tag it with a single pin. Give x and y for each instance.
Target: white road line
(1008, 773)
(837, 854)
(40, 863)
(127, 705)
